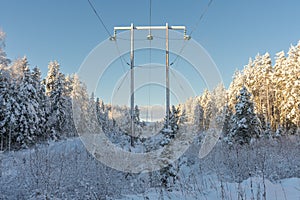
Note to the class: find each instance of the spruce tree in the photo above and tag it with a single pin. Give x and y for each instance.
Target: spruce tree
(4, 61)
(55, 83)
(245, 124)
(5, 108)
(42, 99)
(80, 105)
(28, 120)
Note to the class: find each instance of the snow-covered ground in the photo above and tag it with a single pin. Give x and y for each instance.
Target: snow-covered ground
(65, 170)
(284, 189)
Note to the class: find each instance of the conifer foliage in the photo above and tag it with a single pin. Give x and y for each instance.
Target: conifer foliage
(245, 124)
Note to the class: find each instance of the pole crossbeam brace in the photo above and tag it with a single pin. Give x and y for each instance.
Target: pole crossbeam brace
(149, 27)
(132, 28)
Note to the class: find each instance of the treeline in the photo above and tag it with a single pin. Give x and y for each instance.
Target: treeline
(262, 100)
(33, 109)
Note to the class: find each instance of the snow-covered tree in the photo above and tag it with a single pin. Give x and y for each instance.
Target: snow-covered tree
(262, 88)
(198, 115)
(4, 61)
(28, 120)
(174, 119)
(55, 90)
(52, 77)
(170, 130)
(5, 108)
(44, 105)
(219, 97)
(137, 119)
(227, 121)
(234, 88)
(102, 114)
(69, 127)
(93, 124)
(245, 124)
(278, 81)
(80, 105)
(292, 89)
(208, 108)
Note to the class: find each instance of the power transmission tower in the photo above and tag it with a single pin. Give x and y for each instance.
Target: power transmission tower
(132, 28)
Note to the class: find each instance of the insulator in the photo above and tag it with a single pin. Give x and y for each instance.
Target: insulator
(149, 37)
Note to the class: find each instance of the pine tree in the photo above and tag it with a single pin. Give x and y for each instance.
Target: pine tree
(261, 89)
(292, 89)
(245, 125)
(279, 80)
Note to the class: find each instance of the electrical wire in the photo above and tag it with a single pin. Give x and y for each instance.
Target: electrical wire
(192, 31)
(99, 18)
(110, 36)
(178, 82)
(123, 80)
(201, 17)
(150, 16)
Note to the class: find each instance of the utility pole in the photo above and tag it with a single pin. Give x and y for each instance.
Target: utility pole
(132, 114)
(132, 28)
(167, 79)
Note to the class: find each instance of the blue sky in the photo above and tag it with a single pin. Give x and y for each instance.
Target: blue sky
(65, 30)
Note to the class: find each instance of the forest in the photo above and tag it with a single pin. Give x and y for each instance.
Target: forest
(263, 100)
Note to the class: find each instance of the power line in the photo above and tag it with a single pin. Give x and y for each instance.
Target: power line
(179, 54)
(121, 56)
(178, 82)
(193, 29)
(201, 17)
(150, 15)
(123, 80)
(99, 18)
(107, 31)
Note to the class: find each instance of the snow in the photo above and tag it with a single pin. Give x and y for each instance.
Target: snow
(288, 189)
(64, 170)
